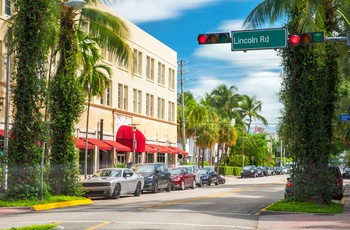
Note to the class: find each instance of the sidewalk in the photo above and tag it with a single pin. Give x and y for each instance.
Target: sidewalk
(275, 220)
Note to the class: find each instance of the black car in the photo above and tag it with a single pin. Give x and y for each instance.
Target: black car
(338, 190)
(249, 171)
(346, 173)
(157, 176)
(262, 171)
(209, 176)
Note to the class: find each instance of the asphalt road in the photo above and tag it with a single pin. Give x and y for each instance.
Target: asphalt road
(233, 205)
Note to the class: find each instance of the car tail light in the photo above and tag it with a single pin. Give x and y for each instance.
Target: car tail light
(289, 184)
(337, 181)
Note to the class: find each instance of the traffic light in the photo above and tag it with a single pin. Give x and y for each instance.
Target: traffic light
(214, 38)
(306, 38)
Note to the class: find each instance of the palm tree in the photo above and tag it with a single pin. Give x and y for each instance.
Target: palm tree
(309, 87)
(225, 100)
(66, 104)
(249, 109)
(95, 78)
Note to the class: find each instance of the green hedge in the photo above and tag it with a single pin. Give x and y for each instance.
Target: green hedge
(229, 170)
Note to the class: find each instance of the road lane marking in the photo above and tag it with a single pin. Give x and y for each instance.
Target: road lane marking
(99, 225)
(204, 197)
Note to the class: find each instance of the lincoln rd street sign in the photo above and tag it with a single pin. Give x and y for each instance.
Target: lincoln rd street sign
(259, 39)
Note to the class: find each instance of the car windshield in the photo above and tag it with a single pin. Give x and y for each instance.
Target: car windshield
(108, 173)
(204, 171)
(248, 167)
(144, 169)
(176, 171)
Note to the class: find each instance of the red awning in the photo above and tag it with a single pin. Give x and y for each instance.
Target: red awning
(178, 150)
(125, 136)
(150, 149)
(79, 143)
(118, 146)
(162, 148)
(100, 144)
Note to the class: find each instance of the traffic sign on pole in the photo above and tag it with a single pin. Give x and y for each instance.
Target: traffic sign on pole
(344, 117)
(259, 39)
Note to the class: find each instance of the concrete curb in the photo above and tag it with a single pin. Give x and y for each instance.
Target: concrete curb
(41, 207)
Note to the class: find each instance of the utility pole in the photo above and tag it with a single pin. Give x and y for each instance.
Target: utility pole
(183, 139)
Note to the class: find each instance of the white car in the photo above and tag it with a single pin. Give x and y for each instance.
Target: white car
(195, 170)
(113, 182)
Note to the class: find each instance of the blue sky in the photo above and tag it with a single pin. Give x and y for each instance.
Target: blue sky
(177, 23)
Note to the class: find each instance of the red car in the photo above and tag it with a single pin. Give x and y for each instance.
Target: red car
(182, 178)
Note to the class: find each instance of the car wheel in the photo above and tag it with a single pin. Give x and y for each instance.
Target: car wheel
(200, 183)
(183, 185)
(193, 184)
(138, 189)
(155, 187)
(217, 181)
(116, 191)
(168, 189)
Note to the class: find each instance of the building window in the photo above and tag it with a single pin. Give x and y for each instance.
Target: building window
(137, 62)
(160, 109)
(159, 72)
(171, 79)
(139, 101)
(163, 109)
(151, 106)
(120, 96)
(134, 100)
(147, 104)
(125, 98)
(123, 64)
(150, 68)
(108, 96)
(8, 7)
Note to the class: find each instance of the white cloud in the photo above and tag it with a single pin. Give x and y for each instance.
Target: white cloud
(138, 11)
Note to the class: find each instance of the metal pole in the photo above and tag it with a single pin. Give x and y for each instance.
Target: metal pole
(183, 107)
(242, 149)
(7, 104)
(134, 141)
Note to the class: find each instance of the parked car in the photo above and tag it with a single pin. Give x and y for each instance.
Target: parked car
(249, 171)
(262, 171)
(209, 176)
(279, 171)
(346, 173)
(195, 170)
(156, 175)
(338, 190)
(182, 178)
(113, 182)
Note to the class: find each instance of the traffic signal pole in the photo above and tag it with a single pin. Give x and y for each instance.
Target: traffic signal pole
(339, 39)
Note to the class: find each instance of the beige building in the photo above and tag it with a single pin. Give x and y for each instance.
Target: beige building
(138, 108)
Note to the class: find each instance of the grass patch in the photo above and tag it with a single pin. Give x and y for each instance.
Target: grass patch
(36, 227)
(26, 203)
(307, 207)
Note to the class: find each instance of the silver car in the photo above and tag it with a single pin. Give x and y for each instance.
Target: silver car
(113, 182)
(195, 170)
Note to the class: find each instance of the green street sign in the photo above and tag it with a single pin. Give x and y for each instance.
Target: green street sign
(259, 39)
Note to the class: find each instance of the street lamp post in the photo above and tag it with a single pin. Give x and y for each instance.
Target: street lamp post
(242, 149)
(134, 141)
